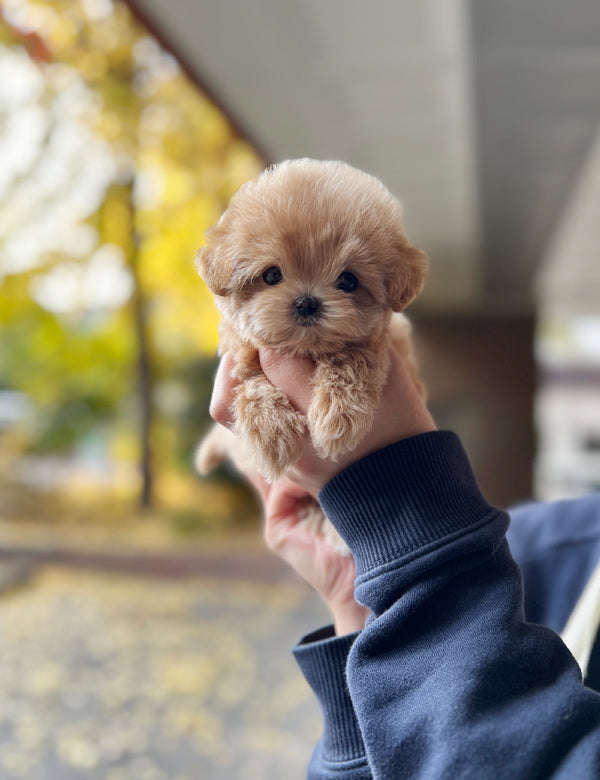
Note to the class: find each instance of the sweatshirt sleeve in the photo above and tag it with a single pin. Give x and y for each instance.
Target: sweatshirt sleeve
(340, 753)
(447, 679)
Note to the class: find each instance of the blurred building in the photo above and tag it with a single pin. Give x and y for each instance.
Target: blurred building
(568, 345)
(481, 116)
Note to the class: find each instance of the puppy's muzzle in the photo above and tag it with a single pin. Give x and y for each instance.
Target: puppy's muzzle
(307, 309)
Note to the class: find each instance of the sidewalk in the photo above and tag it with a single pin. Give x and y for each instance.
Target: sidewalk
(14, 571)
(119, 664)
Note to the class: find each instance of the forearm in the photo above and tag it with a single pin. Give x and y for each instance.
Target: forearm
(447, 679)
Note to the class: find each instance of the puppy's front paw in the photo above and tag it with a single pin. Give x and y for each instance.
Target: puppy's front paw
(337, 428)
(270, 427)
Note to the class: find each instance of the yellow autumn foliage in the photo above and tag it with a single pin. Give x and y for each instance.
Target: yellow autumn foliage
(176, 161)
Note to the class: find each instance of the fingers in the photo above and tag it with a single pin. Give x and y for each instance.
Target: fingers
(221, 402)
(285, 500)
(290, 374)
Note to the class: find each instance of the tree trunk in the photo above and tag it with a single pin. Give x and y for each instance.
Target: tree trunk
(143, 367)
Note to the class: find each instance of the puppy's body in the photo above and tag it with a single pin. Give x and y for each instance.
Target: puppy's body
(310, 258)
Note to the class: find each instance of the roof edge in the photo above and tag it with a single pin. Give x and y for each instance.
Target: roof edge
(150, 23)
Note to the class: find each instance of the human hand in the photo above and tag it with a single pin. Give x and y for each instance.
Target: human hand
(330, 572)
(401, 413)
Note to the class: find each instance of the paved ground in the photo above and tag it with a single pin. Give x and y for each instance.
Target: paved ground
(165, 673)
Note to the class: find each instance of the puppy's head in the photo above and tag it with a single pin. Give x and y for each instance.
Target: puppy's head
(311, 255)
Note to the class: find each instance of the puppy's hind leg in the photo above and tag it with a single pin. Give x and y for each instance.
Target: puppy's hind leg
(400, 333)
(212, 450)
(312, 517)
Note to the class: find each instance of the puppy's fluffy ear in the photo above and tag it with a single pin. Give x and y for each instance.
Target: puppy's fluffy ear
(408, 277)
(216, 270)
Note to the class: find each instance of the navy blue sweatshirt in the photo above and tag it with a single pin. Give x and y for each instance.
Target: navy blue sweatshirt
(448, 679)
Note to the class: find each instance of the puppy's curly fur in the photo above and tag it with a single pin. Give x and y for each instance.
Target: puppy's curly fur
(310, 258)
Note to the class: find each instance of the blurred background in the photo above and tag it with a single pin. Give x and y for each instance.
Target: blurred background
(144, 632)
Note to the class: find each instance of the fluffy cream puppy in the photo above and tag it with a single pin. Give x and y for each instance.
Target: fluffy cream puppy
(310, 258)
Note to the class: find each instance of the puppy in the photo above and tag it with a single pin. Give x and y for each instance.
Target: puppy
(221, 444)
(309, 258)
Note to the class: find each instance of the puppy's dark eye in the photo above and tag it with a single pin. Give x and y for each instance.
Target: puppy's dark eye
(272, 276)
(347, 282)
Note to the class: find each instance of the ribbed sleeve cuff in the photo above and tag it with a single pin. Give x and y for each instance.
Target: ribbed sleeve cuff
(322, 658)
(403, 498)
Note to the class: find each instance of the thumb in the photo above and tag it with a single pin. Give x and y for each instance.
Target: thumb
(292, 375)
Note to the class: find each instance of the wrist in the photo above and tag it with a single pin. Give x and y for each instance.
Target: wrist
(348, 618)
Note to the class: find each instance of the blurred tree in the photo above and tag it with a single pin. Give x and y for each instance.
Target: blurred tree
(115, 167)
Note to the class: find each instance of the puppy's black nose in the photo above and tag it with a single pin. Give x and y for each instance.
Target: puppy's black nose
(307, 307)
